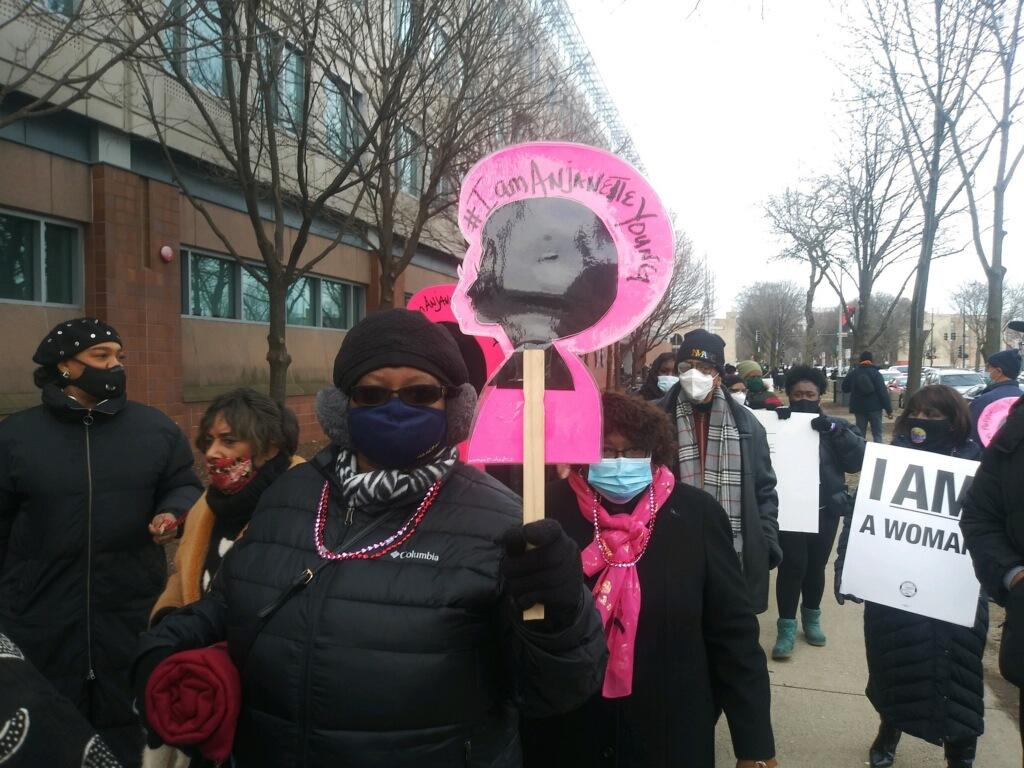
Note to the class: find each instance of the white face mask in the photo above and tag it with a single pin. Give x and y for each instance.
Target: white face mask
(696, 385)
(665, 383)
(740, 397)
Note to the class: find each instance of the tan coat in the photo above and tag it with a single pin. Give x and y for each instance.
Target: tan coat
(185, 584)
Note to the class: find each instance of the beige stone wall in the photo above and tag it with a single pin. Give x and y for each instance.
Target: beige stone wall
(24, 326)
(44, 184)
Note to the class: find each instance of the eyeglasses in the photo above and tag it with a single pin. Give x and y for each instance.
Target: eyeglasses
(628, 453)
(704, 368)
(414, 394)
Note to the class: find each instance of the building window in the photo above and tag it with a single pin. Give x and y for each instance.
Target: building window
(299, 306)
(219, 287)
(255, 300)
(402, 13)
(195, 44)
(63, 7)
(342, 106)
(213, 288)
(39, 260)
(286, 65)
(342, 305)
(409, 165)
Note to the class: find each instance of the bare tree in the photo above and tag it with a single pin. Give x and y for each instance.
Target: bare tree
(875, 203)
(688, 301)
(1013, 309)
(971, 300)
(928, 51)
(272, 107)
(1000, 95)
(769, 322)
(490, 83)
(811, 223)
(55, 53)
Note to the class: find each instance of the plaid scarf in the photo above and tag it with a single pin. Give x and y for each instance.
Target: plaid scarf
(385, 486)
(722, 474)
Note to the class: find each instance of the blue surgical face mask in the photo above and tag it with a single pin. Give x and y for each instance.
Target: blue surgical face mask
(665, 383)
(396, 435)
(620, 480)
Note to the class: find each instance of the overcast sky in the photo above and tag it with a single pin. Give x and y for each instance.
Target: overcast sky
(728, 105)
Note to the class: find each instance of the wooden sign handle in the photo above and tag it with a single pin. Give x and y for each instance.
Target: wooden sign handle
(533, 448)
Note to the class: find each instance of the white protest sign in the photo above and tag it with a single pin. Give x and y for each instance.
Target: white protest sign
(794, 450)
(905, 549)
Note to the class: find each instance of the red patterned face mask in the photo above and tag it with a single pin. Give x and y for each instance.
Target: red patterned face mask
(230, 475)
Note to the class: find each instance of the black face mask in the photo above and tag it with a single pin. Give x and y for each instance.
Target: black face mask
(805, 406)
(935, 435)
(101, 383)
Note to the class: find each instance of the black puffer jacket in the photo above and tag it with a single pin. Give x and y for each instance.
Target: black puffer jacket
(78, 568)
(925, 676)
(840, 452)
(415, 659)
(761, 550)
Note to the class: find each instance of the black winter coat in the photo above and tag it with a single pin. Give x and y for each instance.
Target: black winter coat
(696, 651)
(993, 513)
(79, 570)
(840, 452)
(760, 508)
(415, 659)
(876, 399)
(925, 676)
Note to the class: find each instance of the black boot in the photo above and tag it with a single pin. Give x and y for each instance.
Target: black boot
(960, 755)
(883, 748)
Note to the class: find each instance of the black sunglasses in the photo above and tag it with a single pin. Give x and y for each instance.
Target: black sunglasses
(414, 394)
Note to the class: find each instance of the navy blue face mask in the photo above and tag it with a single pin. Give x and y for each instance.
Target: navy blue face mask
(396, 435)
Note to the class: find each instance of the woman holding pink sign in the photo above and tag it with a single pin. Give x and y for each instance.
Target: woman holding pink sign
(681, 634)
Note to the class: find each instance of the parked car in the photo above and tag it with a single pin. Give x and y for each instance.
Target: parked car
(968, 383)
(896, 383)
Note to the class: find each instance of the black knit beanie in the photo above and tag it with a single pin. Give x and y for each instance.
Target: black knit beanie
(703, 346)
(397, 338)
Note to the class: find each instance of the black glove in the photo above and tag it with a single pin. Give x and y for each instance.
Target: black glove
(549, 572)
(783, 413)
(141, 672)
(824, 424)
(840, 597)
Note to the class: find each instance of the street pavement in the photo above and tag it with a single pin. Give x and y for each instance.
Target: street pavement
(822, 719)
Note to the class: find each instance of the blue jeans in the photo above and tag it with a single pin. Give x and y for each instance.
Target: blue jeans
(875, 418)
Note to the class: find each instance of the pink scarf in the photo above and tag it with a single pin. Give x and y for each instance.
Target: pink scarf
(617, 590)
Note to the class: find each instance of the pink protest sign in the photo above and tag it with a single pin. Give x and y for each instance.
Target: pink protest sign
(993, 417)
(483, 356)
(569, 250)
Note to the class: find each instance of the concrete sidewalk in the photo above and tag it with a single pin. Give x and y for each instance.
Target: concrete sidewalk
(822, 719)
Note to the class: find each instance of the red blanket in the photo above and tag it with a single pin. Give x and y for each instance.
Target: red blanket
(193, 699)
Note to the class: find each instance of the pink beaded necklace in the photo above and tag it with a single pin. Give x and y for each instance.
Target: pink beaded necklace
(381, 548)
(606, 552)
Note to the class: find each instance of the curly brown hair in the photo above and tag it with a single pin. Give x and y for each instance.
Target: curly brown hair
(641, 423)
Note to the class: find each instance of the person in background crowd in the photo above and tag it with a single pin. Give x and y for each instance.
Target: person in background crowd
(779, 378)
(868, 396)
(925, 676)
(651, 544)
(661, 378)
(248, 441)
(729, 369)
(91, 485)
(993, 526)
(804, 555)
(374, 606)
(723, 449)
(1003, 369)
(736, 388)
(758, 395)
(39, 727)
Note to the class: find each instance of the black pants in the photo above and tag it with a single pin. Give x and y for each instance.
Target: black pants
(874, 418)
(802, 571)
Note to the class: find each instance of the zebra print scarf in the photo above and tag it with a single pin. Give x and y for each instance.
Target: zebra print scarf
(387, 486)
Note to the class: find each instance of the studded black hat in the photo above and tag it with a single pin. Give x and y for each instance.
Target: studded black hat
(70, 337)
